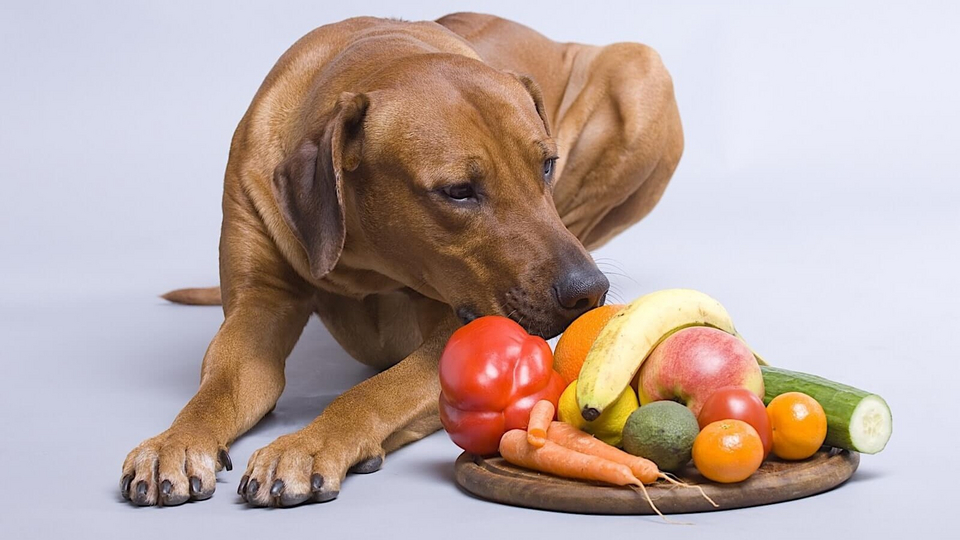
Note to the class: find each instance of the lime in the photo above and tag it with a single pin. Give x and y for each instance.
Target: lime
(663, 432)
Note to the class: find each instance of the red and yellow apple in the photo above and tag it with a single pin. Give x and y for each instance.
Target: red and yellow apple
(693, 363)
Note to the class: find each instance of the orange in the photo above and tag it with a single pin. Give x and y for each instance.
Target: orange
(728, 451)
(799, 425)
(577, 339)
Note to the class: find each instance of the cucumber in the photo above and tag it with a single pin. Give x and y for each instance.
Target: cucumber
(856, 420)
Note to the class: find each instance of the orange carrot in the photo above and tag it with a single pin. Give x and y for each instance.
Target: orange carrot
(643, 469)
(540, 417)
(570, 437)
(555, 459)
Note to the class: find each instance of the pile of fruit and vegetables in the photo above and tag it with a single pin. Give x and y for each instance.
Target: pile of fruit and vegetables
(634, 393)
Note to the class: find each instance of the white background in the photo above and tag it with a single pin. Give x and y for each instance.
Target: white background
(817, 198)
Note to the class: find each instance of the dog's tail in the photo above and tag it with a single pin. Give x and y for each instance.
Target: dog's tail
(206, 296)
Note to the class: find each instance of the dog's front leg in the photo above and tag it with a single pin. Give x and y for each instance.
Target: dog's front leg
(380, 414)
(241, 380)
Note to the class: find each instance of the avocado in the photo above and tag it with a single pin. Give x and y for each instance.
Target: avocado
(663, 432)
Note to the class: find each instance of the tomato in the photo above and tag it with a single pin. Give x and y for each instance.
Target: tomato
(727, 451)
(734, 403)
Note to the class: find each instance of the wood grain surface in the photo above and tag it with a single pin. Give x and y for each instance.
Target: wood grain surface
(776, 481)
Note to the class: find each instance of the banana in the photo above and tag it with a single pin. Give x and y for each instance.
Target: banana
(633, 333)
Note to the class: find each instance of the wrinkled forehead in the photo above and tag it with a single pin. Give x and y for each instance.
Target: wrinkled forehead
(460, 125)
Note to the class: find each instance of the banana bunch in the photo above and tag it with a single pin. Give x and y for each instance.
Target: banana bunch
(633, 333)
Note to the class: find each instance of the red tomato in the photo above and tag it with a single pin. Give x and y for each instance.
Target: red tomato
(733, 403)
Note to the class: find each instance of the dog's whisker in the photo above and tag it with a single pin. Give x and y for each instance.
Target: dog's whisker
(613, 293)
(625, 276)
(607, 260)
(605, 265)
(616, 272)
(616, 269)
(609, 268)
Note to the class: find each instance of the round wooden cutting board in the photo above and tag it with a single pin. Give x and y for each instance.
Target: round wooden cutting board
(776, 481)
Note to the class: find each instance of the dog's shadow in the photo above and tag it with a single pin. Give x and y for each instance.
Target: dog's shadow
(317, 371)
(440, 470)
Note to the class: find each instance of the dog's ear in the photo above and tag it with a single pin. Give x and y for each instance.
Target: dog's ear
(534, 90)
(308, 184)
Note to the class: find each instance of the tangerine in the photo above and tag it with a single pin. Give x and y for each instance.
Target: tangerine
(799, 425)
(728, 451)
(578, 338)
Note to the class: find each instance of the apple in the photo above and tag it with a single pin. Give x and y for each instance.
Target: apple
(689, 366)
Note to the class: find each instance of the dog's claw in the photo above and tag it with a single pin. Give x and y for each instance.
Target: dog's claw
(125, 486)
(316, 486)
(276, 489)
(225, 461)
(325, 496)
(368, 465)
(196, 486)
(242, 488)
(316, 482)
(252, 488)
(161, 469)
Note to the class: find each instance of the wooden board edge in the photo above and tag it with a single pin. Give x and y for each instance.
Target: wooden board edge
(481, 482)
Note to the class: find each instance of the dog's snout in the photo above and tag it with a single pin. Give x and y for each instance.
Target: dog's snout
(582, 289)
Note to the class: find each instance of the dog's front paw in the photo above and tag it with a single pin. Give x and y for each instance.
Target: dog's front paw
(172, 468)
(305, 467)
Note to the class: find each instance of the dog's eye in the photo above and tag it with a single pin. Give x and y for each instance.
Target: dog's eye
(548, 167)
(460, 192)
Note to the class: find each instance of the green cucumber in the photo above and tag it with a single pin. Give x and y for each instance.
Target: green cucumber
(856, 420)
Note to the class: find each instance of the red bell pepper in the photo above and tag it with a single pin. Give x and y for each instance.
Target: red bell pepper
(492, 372)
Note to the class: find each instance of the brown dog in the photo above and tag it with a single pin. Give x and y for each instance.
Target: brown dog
(399, 179)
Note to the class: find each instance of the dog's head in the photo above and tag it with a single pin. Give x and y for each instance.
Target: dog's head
(442, 179)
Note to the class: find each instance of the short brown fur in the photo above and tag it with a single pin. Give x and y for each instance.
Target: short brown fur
(333, 204)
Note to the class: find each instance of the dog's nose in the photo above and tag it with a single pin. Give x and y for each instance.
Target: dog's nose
(582, 289)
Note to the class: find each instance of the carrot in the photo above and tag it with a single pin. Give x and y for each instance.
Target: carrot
(555, 459)
(570, 437)
(559, 461)
(540, 417)
(643, 469)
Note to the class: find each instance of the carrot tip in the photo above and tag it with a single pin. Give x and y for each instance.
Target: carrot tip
(536, 441)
